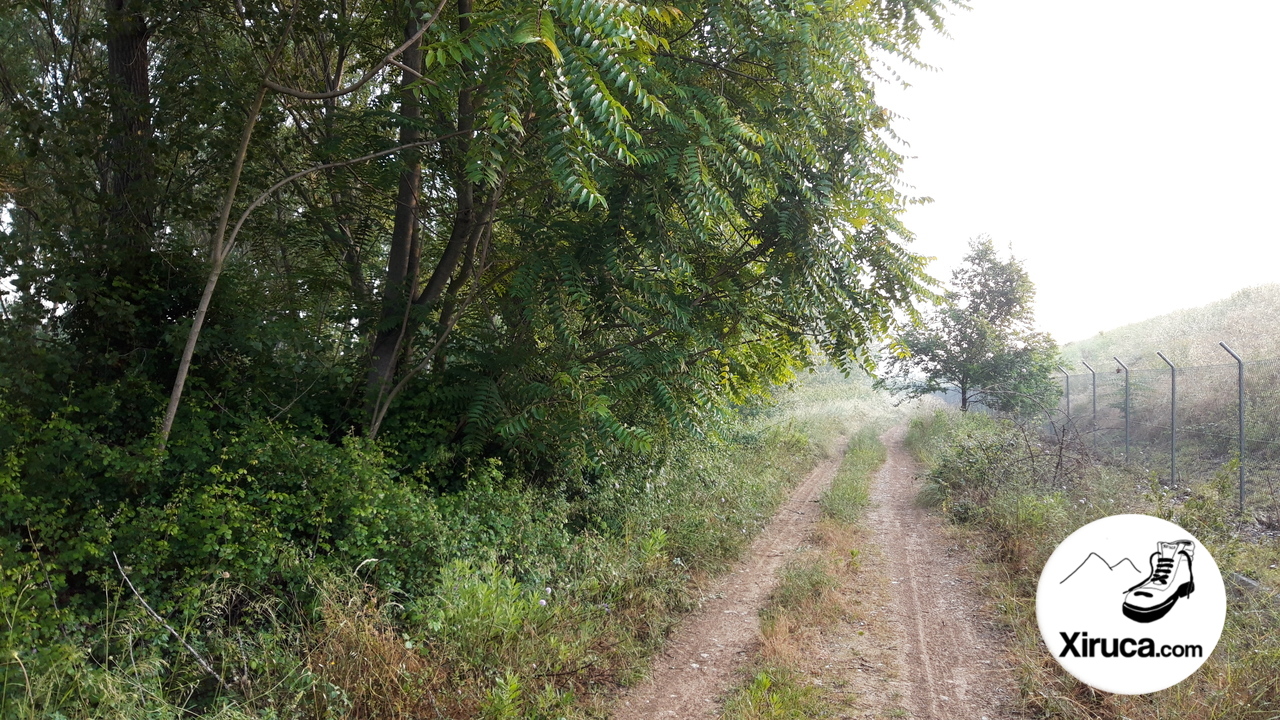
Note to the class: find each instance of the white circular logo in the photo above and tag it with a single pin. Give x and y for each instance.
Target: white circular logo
(1131, 604)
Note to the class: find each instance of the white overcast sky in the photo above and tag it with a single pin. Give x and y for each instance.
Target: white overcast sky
(1127, 150)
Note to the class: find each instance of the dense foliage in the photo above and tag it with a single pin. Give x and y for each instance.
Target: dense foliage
(276, 278)
(981, 343)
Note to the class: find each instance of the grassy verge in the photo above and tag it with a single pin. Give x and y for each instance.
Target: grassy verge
(1019, 497)
(546, 602)
(812, 597)
(538, 631)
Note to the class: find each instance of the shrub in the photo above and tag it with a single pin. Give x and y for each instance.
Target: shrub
(1024, 494)
(321, 579)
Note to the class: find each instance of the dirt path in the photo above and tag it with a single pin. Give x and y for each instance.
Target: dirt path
(918, 642)
(697, 666)
(929, 649)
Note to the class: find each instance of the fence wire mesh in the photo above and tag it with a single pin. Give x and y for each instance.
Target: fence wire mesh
(1204, 425)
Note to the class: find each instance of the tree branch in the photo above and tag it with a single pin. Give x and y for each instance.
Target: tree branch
(317, 168)
(718, 66)
(385, 402)
(221, 251)
(217, 257)
(204, 664)
(368, 75)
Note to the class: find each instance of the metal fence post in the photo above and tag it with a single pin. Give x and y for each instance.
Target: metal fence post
(1173, 420)
(1240, 400)
(1067, 376)
(1126, 407)
(1093, 428)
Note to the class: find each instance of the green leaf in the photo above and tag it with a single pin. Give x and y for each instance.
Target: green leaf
(527, 31)
(549, 35)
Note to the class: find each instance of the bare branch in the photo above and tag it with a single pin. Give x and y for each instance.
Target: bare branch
(412, 72)
(217, 256)
(317, 168)
(369, 74)
(222, 250)
(204, 664)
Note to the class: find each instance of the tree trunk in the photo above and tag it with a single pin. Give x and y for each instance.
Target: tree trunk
(130, 167)
(401, 285)
(466, 229)
(121, 281)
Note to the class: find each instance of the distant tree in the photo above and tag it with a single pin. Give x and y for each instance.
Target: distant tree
(981, 341)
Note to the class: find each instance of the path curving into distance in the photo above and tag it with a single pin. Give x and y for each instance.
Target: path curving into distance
(925, 648)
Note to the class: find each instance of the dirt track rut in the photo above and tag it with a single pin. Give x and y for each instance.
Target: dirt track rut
(697, 666)
(925, 646)
(932, 648)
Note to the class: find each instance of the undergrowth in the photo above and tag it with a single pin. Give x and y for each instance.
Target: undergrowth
(1020, 495)
(499, 600)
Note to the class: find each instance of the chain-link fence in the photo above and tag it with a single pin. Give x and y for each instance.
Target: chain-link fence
(1190, 434)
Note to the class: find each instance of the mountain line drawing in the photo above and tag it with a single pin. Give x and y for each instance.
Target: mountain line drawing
(1104, 562)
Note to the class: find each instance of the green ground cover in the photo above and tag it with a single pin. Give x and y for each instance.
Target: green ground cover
(1019, 495)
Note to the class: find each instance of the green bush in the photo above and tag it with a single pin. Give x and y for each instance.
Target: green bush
(1000, 476)
(320, 579)
(1023, 495)
(972, 464)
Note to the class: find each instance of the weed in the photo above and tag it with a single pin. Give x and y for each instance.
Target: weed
(1020, 498)
(775, 694)
(849, 494)
(804, 581)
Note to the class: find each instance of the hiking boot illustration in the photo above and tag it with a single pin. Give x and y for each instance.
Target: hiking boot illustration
(1169, 580)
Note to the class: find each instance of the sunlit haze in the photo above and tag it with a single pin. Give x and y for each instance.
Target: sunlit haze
(1127, 150)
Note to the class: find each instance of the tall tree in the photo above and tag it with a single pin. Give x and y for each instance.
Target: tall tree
(532, 236)
(541, 231)
(981, 343)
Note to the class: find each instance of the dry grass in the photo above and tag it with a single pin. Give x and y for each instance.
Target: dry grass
(356, 646)
(811, 602)
(1017, 527)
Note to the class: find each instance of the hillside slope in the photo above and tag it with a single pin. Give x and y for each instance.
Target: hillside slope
(1247, 321)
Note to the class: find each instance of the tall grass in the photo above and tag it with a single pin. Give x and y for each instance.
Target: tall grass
(1020, 496)
(1246, 321)
(553, 599)
(1207, 432)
